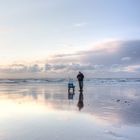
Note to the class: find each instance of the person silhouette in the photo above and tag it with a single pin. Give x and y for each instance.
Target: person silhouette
(80, 78)
(80, 103)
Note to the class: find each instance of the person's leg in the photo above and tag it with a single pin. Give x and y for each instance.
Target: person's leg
(81, 85)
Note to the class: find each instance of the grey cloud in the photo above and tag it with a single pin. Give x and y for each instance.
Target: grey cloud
(20, 68)
(125, 52)
(131, 49)
(137, 69)
(125, 49)
(55, 67)
(124, 58)
(15, 68)
(48, 67)
(59, 66)
(73, 67)
(115, 134)
(35, 68)
(64, 55)
(85, 67)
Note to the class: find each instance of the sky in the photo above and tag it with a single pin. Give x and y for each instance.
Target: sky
(58, 38)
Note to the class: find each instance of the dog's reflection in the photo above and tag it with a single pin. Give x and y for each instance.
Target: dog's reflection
(70, 95)
(80, 103)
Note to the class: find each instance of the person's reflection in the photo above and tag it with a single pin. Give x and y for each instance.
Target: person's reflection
(80, 103)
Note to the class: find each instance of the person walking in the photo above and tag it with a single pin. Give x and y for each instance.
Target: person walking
(80, 78)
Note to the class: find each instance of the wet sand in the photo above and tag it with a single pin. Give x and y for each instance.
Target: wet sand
(48, 112)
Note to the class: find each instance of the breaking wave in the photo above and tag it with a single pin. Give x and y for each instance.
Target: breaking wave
(96, 81)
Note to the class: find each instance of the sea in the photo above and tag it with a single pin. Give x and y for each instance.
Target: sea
(95, 81)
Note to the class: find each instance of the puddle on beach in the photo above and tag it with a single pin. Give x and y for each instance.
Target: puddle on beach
(48, 112)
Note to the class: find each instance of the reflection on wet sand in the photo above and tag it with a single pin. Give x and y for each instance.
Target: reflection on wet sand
(99, 102)
(107, 107)
(80, 103)
(71, 95)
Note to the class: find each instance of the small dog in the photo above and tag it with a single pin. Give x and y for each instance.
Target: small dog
(71, 85)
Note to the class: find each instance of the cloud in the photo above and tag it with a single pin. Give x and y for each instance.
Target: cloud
(132, 68)
(126, 58)
(114, 134)
(108, 53)
(114, 53)
(82, 24)
(21, 68)
(121, 58)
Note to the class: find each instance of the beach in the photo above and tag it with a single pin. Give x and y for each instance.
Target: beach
(108, 110)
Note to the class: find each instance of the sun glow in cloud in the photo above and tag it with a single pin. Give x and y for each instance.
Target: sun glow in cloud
(111, 46)
(133, 68)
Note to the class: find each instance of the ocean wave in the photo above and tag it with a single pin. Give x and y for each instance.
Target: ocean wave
(110, 81)
(62, 80)
(31, 80)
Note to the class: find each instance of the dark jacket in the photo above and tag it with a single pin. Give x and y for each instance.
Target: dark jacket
(80, 77)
